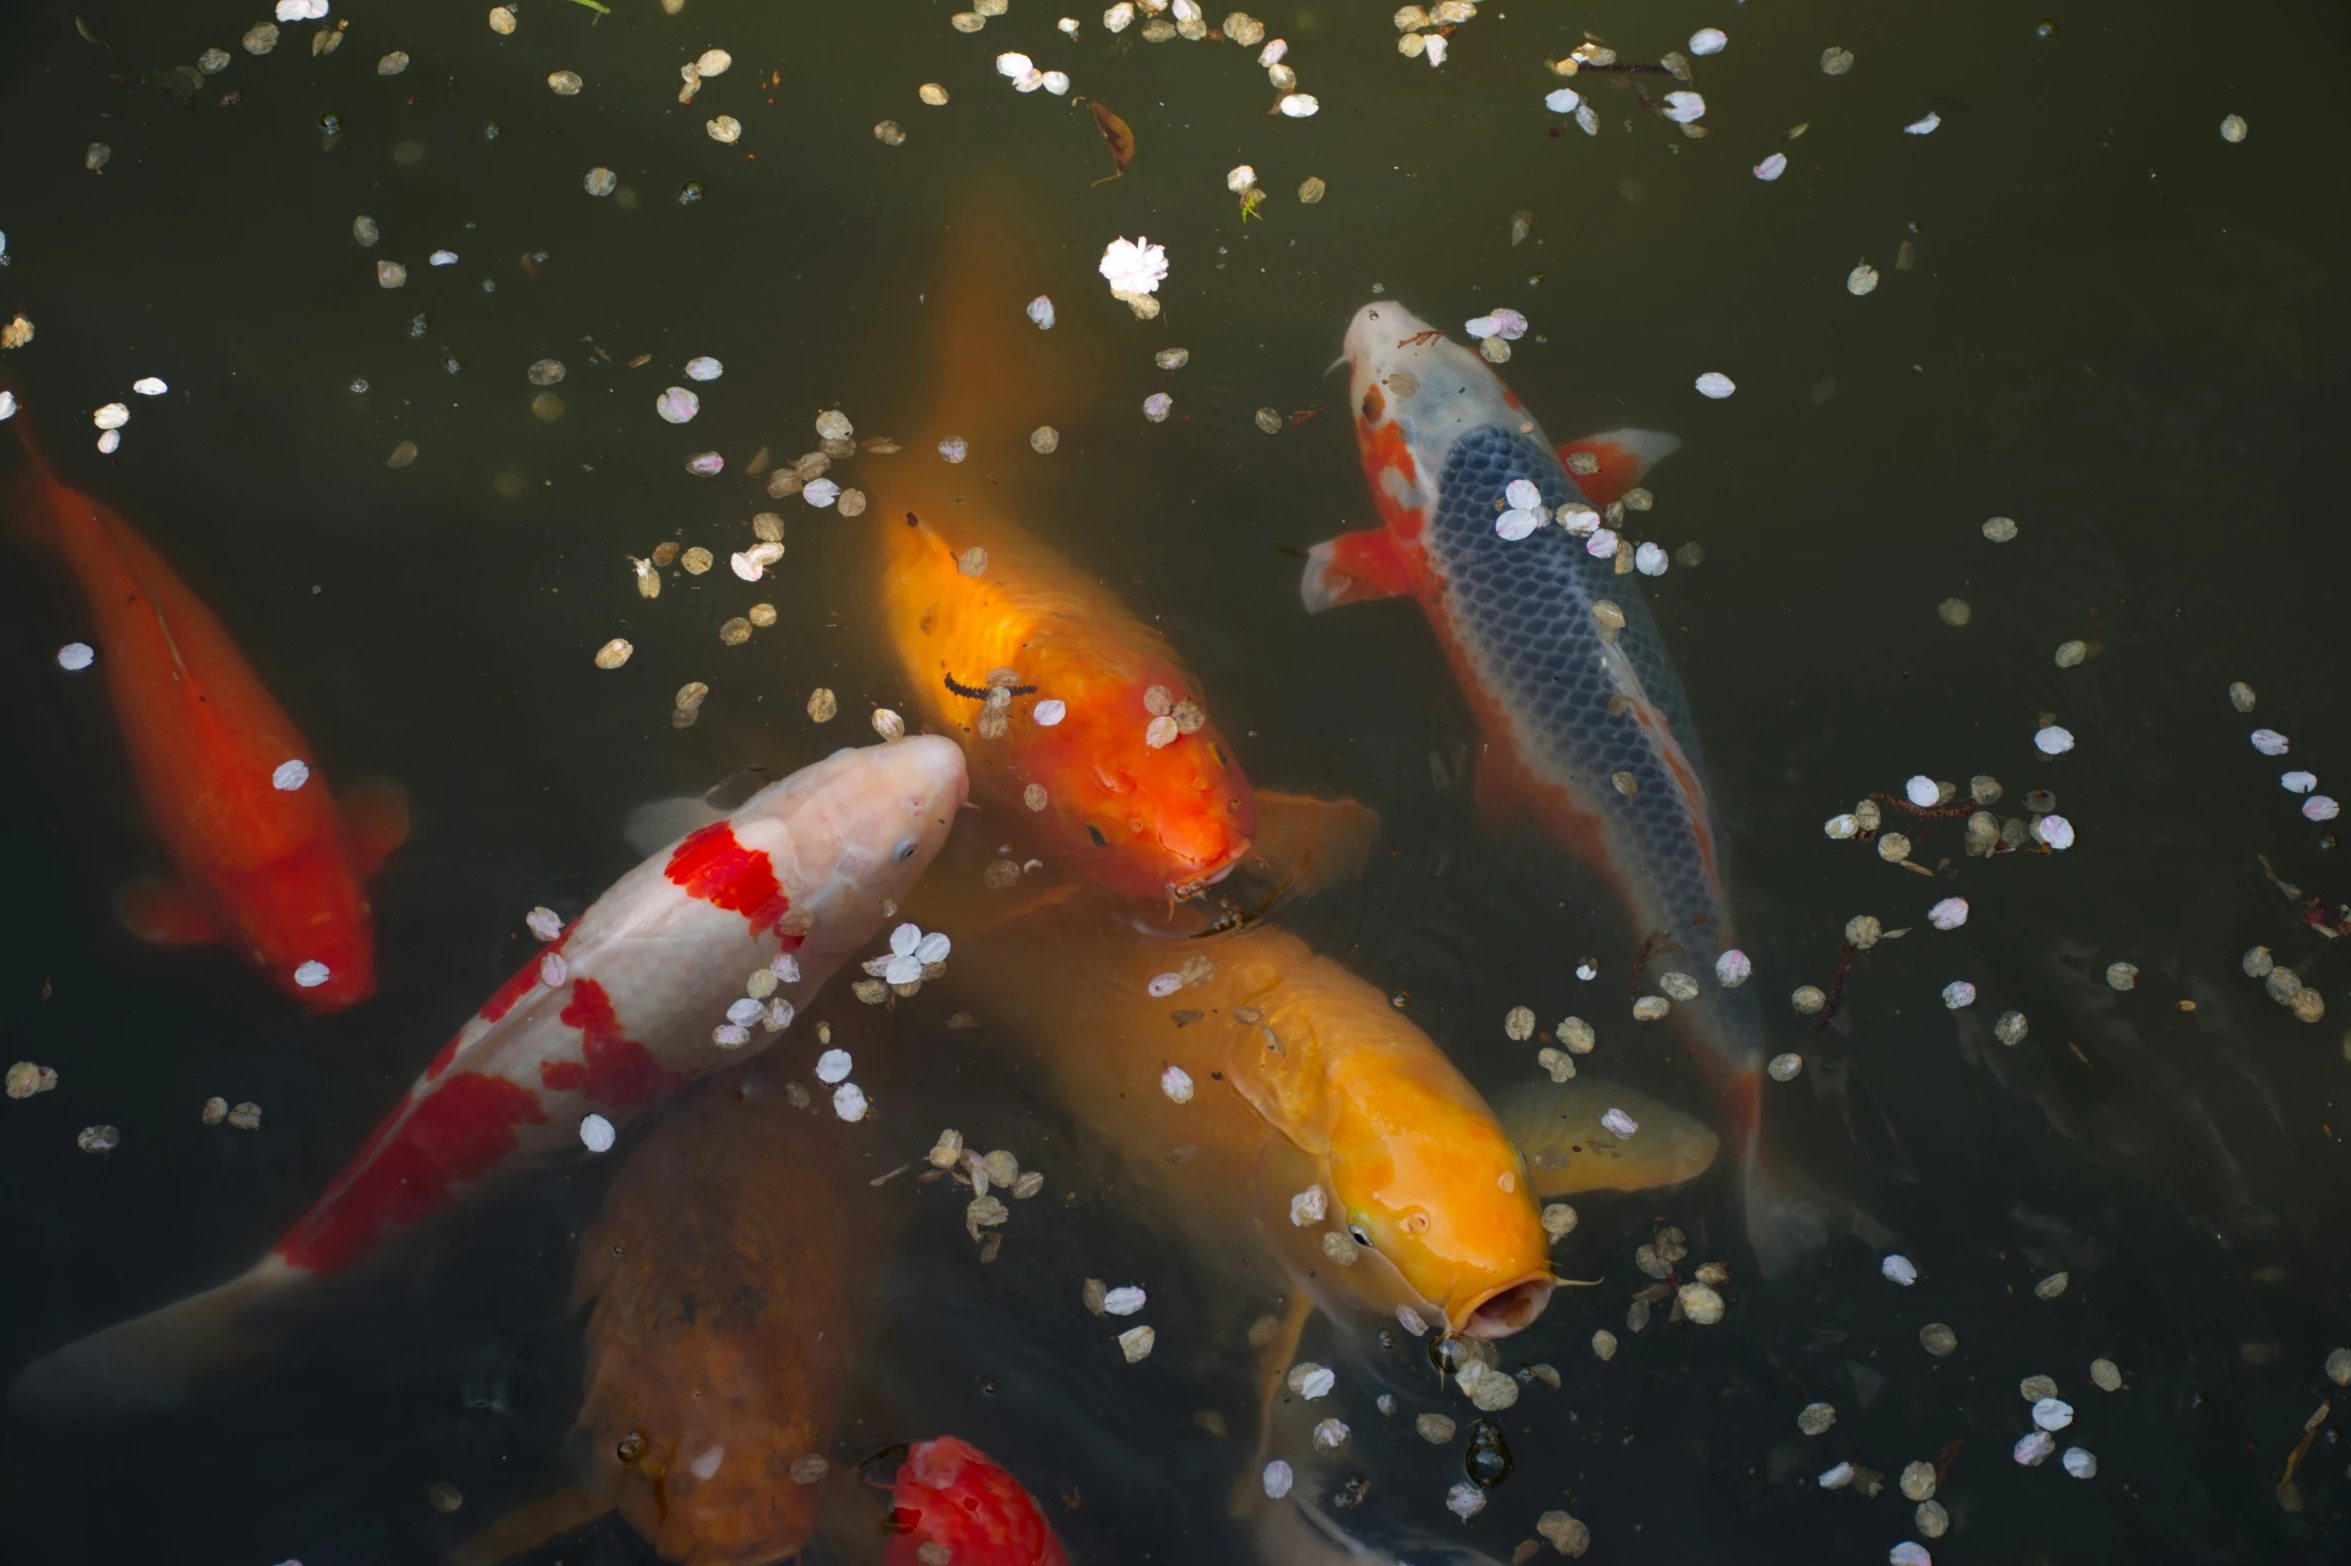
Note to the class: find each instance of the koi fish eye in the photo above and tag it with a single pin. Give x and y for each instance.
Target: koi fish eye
(1361, 1233)
(904, 851)
(1095, 833)
(1373, 406)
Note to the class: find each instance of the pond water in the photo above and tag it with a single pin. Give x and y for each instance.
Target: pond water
(2093, 313)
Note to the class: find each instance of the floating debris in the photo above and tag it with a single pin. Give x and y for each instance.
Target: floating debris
(1863, 279)
(1277, 1477)
(1558, 1220)
(2108, 1375)
(1808, 999)
(1785, 1068)
(1136, 1344)
(1899, 1269)
(216, 1110)
(2232, 129)
(613, 653)
(105, 1139)
(1835, 61)
(2270, 742)
(1917, 1481)
(596, 1134)
(2080, 1463)
(25, 1079)
(2122, 975)
(2241, 696)
(1816, 1418)
(2033, 1450)
(2053, 740)
(2000, 530)
(1937, 1339)
(74, 657)
(2071, 654)
(1716, 385)
(1954, 611)
(1958, 994)
(1772, 168)
(889, 133)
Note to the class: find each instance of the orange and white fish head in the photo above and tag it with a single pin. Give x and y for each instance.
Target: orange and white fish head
(1415, 391)
(1440, 1201)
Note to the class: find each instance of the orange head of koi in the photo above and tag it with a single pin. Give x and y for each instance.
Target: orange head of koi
(1142, 792)
(307, 925)
(1431, 1187)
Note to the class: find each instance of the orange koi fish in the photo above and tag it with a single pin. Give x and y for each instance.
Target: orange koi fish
(1079, 723)
(1330, 1140)
(265, 860)
(722, 1268)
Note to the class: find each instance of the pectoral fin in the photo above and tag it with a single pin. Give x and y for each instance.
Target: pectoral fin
(375, 821)
(530, 1526)
(165, 912)
(1273, 1369)
(1558, 1126)
(1625, 458)
(1311, 844)
(1353, 568)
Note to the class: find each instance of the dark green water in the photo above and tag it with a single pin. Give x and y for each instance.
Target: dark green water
(2120, 330)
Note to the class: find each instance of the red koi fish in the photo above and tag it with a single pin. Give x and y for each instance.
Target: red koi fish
(952, 1494)
(615, 1014)
(264, 859)
(1586, 730)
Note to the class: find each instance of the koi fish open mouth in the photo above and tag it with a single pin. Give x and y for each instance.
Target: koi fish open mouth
(1192, 886)
(1509, 1310)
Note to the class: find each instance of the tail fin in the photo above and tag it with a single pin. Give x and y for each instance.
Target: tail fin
(997, 376)
(152, 1362)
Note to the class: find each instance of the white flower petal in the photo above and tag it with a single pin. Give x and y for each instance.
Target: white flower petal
(1715, 384)
(1708, 40)
(1925, 127)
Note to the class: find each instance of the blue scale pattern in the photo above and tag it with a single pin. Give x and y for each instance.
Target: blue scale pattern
(1521, 613)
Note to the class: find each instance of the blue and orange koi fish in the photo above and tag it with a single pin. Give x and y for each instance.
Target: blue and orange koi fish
(1584, 722)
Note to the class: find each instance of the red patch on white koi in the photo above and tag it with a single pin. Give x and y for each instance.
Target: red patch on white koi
(515, 988)
(712, 866)
(458, 1132)
(614, 1070)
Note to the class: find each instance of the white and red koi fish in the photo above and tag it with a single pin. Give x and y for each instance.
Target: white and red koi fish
(1571, 709)
(615, 1014)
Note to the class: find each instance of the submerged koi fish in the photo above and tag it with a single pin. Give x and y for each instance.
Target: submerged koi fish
(953, 1503)
(1571, 712)
(264, 860)
(612, 1016)
(721, 1268)
(1047, 679)
(1334, 1140)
